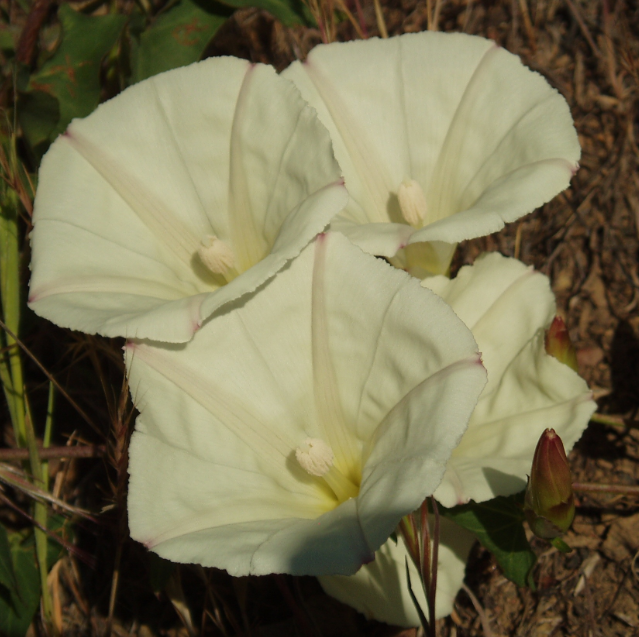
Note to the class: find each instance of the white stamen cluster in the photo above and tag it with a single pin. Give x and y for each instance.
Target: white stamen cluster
(216, 255)
(315, 457)
(412, 202)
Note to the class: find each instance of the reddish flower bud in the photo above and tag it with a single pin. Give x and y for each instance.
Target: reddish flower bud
(550, 505)
(559, 345)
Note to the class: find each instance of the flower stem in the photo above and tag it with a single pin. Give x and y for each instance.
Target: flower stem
(423, 547)
(613, 421)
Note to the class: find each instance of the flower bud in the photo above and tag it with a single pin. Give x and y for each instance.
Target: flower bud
(559, 345)
(549, 505)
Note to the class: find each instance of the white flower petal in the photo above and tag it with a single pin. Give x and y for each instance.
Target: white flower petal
(222, 417)
(486, 139)
(381, 239)
(379, 590)
(419, 455)
(503, 303)
(508, 306)
(494, 457)
(219, 149)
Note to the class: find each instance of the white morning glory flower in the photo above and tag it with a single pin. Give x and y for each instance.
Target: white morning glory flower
(508, 307)
(441, 137)
(294, 430)
(379, 590)
(176, 197)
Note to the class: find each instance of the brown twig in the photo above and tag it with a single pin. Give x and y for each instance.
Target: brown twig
(50, 453)
(619, 489)
(87, 558)
(483, 617)
(351, 18)
(582, 25)
(27, 44)
(362, 20)
(528, 26)
(609, 46)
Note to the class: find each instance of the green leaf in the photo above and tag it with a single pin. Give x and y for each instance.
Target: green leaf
(9, 35)
(16, 617)
(72, 75)
(39, 116)
(61, 527)
(8, 583)
(288, 12)
(17, 553)
(177, 37)
(498, 525)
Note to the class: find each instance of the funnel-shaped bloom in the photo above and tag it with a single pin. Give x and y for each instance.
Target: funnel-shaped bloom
(180, 195)
(508, 307)
(441, 136)
(380, 591)
(295, 429)
(550, 503)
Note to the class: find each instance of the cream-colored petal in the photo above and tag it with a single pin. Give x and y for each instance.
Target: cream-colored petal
(387, 110)
(411, 357)
(508, 306)
(379, 590)
(380, 239)
(503, 302)
(409, 451)
(242, 396)
(494, 457)
(127, 195)
(486, 139)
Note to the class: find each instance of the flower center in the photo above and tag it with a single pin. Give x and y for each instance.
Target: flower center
(216, 255)
(412, 202)
(317, 458)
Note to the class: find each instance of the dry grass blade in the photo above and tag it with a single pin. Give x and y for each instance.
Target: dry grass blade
(379, 16)
(574, 9)
(485, 624)
(528, 26)
(17, 479)
(80, 554)
(59, 387)
(351, 18)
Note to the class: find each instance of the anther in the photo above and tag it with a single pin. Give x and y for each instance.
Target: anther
(315, 457)
(412, 202)
(216, 255)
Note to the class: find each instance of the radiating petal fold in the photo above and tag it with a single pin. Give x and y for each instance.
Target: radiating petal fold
(379, 590)
(220, 149)
(486, 139)
(508, 307)
(221, 417)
